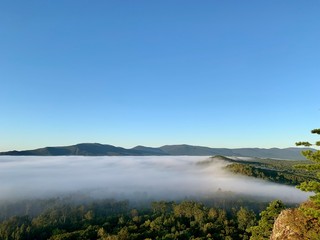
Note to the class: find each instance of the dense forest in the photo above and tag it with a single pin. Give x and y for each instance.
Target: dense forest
(109, 219)
(278, 171)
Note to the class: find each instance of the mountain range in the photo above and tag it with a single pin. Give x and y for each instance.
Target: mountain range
(97, 149)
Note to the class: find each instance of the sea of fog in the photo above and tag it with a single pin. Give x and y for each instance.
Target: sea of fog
(157, 177)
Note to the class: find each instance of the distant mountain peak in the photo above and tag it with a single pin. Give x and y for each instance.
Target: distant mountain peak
(98, 149)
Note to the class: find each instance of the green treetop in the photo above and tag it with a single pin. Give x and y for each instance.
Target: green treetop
(264, 228)
(314, 185)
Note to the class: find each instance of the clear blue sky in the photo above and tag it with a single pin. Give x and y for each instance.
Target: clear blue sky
(127, 73)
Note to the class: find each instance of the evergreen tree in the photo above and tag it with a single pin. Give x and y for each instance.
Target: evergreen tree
(245, 219)
(265, 224)
(314, 185)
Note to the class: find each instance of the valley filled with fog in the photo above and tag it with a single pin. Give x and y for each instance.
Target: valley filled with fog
(153, 177)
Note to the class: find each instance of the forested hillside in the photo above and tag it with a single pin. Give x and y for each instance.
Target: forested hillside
(108, 219)
(278, 171)
(96, 149)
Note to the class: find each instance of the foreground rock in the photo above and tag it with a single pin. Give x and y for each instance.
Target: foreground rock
(293, 224)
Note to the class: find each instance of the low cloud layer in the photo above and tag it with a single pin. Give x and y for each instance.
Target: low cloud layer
(156, 177)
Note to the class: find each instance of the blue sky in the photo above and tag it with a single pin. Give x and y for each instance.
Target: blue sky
(127, 73)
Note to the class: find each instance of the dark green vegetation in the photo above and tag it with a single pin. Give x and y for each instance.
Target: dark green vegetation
(96, 149)
(264, 228)
(313, 185)
(278, 171)
(109, 219)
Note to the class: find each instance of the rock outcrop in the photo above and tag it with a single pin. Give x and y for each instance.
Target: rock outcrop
(293, 224)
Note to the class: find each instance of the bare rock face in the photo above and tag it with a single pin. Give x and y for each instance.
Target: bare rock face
(293, 224)
(286, 227)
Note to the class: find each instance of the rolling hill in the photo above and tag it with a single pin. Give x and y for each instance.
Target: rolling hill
(96, 149)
